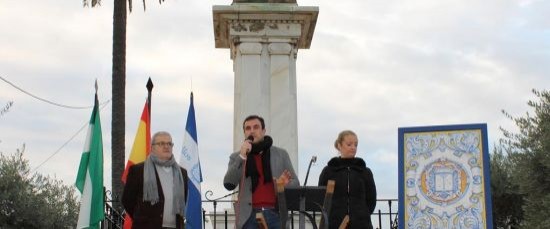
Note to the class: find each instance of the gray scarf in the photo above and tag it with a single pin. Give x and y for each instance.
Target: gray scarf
(150, 189)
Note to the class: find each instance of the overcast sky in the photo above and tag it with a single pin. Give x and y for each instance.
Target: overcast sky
(373, 66)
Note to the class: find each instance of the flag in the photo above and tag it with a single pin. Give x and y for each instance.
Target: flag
(140, 150)
(142, 142)
(89, 180)
(189, 160)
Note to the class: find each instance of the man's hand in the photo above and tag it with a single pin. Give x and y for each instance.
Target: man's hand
(245, 148)
(285, 177)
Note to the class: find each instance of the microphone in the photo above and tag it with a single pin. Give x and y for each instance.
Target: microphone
(302, 219)
(250, 138)
(313, 160)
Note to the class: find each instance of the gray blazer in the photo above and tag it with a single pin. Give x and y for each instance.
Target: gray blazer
(279, 162)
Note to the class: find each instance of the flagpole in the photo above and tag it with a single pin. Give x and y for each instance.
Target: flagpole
(149, 87)
(190, 161)
(142, 142)
(89, 179)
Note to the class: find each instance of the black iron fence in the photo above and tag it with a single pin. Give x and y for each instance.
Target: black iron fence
(385, 215)
(113, 218)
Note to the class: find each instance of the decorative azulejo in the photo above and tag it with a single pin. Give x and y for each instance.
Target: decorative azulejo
(443, 177)
(443, 182)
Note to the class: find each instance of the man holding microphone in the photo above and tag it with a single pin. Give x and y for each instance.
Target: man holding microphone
(253, 168)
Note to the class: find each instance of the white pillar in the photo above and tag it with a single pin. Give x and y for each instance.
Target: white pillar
(264, 39)
(284, 121)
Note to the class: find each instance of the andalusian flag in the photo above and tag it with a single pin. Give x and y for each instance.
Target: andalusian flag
(190, 161)
(140, 150)
(89, 180)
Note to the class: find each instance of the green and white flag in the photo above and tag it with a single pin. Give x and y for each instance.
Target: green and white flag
(89, 180)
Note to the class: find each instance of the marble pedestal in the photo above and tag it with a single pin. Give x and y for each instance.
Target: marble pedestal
(264, 39)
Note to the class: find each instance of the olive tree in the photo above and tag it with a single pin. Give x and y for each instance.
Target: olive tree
(31, 200)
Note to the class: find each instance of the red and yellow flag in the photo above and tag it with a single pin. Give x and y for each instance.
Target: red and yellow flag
(142, 142)
(140, 150)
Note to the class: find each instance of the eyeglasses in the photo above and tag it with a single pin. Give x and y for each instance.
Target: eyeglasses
(170, 144)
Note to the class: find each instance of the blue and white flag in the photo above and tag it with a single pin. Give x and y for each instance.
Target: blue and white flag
(189, 160)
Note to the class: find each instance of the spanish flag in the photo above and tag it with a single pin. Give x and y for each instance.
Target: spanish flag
(140, 150)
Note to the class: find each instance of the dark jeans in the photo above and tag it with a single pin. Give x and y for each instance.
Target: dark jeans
(271, 218)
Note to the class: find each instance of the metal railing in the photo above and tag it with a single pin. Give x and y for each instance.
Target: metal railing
(113, 218)
(384, 216)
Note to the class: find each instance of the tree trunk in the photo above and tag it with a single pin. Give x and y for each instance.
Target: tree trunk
(118, 100)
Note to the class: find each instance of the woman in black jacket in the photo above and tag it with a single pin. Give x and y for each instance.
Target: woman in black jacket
(354, 191)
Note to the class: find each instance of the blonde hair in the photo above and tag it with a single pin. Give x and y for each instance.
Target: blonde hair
(341, 137)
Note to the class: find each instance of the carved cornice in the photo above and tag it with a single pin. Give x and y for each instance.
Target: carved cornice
(239, 21)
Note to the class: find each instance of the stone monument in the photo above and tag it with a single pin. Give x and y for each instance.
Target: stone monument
(264, 38)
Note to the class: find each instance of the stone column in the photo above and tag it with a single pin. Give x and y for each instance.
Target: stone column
(264, 39)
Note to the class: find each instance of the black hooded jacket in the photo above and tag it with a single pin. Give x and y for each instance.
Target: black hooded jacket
(359, 200)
